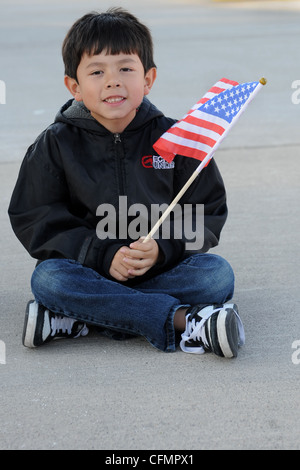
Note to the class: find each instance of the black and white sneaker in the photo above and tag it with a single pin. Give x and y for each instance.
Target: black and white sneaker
(41, 326)
(215, 328)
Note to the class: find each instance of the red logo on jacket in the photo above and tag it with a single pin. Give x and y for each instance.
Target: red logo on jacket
(157, 162)
(147, 161)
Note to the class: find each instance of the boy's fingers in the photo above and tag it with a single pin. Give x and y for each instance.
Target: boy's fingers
(121, 275)
(137, 272)
(139, 245)
(117, 275)
(135, 254)
(137, 263)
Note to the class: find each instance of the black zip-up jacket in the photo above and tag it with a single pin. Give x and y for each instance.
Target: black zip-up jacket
(76, 164)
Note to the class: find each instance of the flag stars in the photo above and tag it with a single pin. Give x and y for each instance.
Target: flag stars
(227, 104)
(218, 113)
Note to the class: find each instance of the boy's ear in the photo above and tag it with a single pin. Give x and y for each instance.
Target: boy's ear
(149, 80)
(73, 87)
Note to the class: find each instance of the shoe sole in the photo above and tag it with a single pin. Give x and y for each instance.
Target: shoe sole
(227, 332)
(30, 325)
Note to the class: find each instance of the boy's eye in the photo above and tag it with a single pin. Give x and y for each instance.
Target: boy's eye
(126, 69)
(97, 72)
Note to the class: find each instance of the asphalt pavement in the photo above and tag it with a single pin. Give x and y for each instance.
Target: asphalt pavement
(97, 393)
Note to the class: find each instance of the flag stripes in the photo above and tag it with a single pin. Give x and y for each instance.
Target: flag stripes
(221, 85)
(196, 134)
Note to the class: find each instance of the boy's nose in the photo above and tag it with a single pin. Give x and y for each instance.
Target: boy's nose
(112, 82)
(113, 85)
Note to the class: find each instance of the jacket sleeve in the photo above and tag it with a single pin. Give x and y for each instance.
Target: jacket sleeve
(41, 213)
(207, 190)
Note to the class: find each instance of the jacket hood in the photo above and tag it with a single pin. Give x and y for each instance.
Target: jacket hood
(75, 113)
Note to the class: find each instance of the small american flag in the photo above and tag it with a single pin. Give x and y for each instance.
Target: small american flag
(198, 133)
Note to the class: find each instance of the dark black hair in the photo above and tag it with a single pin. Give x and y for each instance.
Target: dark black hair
(115, 31)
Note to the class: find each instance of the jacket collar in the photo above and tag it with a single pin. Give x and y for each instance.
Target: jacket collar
(76, 114)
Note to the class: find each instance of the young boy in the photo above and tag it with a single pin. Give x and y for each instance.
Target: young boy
(98, 151)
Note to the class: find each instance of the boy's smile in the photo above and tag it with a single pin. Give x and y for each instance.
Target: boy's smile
(111, 87)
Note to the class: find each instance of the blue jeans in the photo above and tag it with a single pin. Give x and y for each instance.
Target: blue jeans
(66, 287)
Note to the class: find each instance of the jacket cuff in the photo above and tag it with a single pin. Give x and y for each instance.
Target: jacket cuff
(107, 257)
(171, 252)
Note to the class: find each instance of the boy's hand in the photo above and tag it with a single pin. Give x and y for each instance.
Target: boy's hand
(134, 260)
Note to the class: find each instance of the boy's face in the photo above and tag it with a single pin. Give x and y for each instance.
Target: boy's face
(111, 87)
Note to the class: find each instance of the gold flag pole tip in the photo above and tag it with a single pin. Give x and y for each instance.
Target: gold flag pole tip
(263, 81)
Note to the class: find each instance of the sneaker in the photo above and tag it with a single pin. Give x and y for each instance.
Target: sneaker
(214, 328)
(41, 326)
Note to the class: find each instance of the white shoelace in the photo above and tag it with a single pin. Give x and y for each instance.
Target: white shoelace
(65, 325)
(195, 330)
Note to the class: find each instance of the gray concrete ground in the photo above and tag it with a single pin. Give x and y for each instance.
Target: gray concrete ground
(96, 393)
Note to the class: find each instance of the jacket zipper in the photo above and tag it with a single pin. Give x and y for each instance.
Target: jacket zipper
(119, 159)
(117, 138)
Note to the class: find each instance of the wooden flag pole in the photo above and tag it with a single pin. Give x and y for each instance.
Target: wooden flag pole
(176, 199)
(208, 157)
